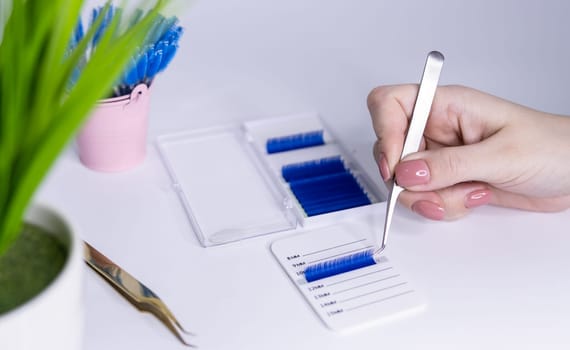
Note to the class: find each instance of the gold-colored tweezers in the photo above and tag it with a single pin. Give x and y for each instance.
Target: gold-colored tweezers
(134, 291)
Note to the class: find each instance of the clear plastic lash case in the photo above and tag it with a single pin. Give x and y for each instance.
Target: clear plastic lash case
(232, 189)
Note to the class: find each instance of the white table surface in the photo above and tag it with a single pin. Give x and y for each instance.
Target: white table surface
(496, 279)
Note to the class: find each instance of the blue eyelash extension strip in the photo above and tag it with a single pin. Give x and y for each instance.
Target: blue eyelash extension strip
(334, 267)
(323, 209)
(312, 168)
(291, 142)
(332, 198)
(332, 181)
(324, 185)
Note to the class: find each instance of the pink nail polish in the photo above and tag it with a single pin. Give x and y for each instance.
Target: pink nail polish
(477, 198)
(384, 168)
(412, 172)
(429, 210)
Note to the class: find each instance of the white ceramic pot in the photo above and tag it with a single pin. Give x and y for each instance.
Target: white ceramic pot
(54, 318)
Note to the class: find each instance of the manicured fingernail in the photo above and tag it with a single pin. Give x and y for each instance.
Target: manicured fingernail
(384, 168)
(429, 210)
(412, 172)
(477, 198)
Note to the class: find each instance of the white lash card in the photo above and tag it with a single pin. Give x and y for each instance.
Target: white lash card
(349, 301)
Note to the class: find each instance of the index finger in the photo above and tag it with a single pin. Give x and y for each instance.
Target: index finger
(391, 108)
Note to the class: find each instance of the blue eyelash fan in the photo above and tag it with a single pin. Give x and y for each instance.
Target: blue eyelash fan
(344, 264)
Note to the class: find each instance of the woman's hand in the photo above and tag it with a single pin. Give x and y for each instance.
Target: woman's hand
(477, 149)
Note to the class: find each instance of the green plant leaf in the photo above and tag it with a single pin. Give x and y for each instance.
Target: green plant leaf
(38, 111)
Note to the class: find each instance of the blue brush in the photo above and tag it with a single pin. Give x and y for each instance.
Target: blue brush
(132, 75)
(155, 54)
(168, 53)
(153, 57)
(296, 141)
(161, 47)
(95, 13)
(78, 34)
(142, 65)
(412, 143)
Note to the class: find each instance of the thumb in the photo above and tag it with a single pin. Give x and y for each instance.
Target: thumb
(444, 167)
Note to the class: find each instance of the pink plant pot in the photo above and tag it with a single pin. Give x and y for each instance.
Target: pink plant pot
(114, 137)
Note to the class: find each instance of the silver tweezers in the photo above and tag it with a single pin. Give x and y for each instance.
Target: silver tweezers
(424, 100)
(134, 291)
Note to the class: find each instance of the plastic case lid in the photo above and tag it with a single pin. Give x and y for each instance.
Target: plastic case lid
(224, 189)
